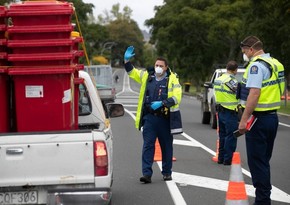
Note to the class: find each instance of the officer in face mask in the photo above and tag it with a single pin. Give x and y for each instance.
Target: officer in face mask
(261, 89)
(158, 112)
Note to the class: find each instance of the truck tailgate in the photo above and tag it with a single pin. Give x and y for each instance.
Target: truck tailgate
(46, 159)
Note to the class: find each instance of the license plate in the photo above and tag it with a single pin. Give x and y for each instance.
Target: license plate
(20, 197)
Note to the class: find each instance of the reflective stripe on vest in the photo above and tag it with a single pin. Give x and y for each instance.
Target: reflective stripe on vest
(272, 88)
(224, 95)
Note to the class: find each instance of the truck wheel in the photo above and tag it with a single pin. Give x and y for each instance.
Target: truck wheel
(205, 117)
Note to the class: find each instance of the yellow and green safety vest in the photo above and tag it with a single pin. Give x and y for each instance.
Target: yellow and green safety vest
(224, 95)
(174, 91)
(272, 88)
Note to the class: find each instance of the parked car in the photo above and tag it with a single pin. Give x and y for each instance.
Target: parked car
(208, 102)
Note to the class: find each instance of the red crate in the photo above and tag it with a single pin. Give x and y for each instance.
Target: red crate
(44, 99)
(77, 82)
(41, 59)
(40, 5)
(3, 29)
(77, 55)
(3, 59)
(2, 14)
(3, 45)
(40, 46)
(39, 32)
(40, 17)
(4, 101)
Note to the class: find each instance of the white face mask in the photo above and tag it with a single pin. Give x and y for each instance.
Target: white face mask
(158, 70)
(245, 57)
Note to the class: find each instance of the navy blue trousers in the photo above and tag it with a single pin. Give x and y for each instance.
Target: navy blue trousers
(228, 123)
(153, 127)
(260, 142)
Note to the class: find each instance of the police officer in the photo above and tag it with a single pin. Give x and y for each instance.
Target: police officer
(225, 88)
(261, 89)
(158, 112)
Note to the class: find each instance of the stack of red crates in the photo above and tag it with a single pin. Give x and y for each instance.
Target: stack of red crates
(4, 80)
(42, 65)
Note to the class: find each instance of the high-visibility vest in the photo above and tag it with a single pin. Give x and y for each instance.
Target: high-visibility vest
(174, 91)
(272, 88)
(223, 94)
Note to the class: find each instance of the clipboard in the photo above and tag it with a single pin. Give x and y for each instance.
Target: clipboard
(250, 123)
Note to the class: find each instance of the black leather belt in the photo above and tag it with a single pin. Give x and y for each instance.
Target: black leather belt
(157, 113)
(223, 109)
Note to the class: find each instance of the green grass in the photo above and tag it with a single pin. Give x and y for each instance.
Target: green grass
(285, 109)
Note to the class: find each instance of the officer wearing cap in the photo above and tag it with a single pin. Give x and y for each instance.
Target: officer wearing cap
(261, 89)
(225, 88)
(158, 112)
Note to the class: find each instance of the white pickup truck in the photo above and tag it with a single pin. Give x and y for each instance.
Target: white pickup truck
(62, 167)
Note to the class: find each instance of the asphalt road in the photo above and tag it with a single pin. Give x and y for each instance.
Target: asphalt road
(196, 178)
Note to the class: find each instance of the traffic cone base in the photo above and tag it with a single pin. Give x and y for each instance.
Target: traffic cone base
(236, 194)
(158, 153)
(236, 191)
(215, 158)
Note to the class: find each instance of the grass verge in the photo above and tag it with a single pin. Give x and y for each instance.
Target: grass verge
(285, 107)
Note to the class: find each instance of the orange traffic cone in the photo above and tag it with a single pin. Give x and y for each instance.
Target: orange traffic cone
(158, 154)
(236, 194)
(216, 157)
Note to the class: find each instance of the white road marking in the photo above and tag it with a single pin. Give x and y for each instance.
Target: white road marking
(222, 185)
(276, 194)
(173, 190)
(206, 182)
(200, 181)
(283, 124)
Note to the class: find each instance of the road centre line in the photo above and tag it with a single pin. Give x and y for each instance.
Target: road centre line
(222, 185)
(283, 124)
(172, 187)
(276, 194)
(209, 150)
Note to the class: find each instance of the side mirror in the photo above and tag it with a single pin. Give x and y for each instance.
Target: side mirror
(115, 110)
(208, 85)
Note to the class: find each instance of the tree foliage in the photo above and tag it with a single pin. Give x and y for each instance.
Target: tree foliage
(123, 31)
(196, 34)
(6, 2)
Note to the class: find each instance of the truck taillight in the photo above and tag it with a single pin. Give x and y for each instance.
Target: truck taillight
(101, 158)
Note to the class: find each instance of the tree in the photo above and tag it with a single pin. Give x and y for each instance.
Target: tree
(179, 31)
(93, 33)
(6, 2)
(270, 21)
(123, 31)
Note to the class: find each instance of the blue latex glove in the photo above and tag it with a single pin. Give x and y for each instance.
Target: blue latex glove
(129, 53)
(156, 104)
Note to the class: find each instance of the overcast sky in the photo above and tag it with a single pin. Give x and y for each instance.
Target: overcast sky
(142, 10)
